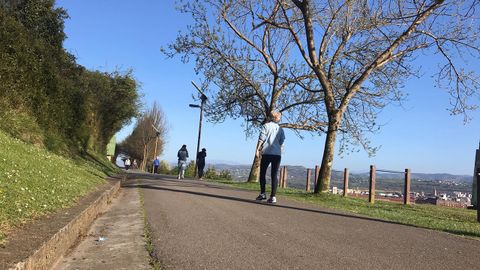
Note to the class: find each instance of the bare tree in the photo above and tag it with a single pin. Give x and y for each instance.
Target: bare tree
(248, 67)
(147, 139)
(362, 51)
(351, 56)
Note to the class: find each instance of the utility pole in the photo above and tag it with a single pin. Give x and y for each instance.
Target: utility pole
(203, 99)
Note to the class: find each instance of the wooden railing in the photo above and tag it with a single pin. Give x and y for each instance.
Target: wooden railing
(371, 190)
(282, 183)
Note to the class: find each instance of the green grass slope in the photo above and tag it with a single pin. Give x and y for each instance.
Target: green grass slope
(35, 182)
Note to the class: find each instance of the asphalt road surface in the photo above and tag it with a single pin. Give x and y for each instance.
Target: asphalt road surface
(198, 225)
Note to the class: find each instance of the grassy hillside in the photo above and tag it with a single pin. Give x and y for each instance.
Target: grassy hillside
(34, 182)
(49, 101)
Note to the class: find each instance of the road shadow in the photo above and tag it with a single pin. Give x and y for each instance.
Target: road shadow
(173, 181)
(171, 186)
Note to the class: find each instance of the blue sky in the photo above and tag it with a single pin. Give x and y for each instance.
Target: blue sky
(118, 34)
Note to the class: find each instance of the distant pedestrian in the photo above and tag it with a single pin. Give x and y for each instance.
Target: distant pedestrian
(271, 144)
(134, 164)
(127, 164)
(156, 164)
(182, 161)
(201, 162)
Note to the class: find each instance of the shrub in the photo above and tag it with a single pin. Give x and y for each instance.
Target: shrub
(164, 167)
(55, 143)
(174, 171)
(211, 173)
(225, 174)
(190, 170)
(21, 125)
(46, 98)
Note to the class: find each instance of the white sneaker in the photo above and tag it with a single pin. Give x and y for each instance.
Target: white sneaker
(272, 200)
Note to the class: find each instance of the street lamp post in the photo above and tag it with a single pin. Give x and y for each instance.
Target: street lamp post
(157, 134)
(203, 99)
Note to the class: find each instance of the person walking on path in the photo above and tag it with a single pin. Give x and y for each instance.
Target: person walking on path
(127, 164)
(182, 161)
(201, 162)
(156, 163)
(134, 164)
(271, 144)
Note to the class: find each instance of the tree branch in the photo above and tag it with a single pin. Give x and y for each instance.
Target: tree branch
(386, 55)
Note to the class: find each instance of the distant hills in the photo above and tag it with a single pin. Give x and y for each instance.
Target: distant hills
(426, 176)
(299, 172)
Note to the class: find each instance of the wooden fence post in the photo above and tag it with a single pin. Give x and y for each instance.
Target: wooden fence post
(285, 176)
(307, 187)
(406, 193)
(371, 190)
(317, 171)
(280, 179)
(345, 182)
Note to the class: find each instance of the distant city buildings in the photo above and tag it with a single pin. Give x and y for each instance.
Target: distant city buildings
(454, 199)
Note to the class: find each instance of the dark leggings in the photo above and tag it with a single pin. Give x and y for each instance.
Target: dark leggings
(201, 167)
(266, 160)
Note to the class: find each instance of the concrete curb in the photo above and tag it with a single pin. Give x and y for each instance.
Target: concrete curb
(53, 249)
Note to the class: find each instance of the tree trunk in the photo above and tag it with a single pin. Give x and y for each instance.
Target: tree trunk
(142, 166)
(255, 169)
(323, 180)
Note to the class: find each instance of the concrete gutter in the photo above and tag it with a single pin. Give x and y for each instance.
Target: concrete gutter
(54, 248)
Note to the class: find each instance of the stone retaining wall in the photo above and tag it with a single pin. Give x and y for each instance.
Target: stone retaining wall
(52, 250)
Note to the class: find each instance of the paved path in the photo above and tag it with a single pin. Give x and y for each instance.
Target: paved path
(199, 225)
(115, 240)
